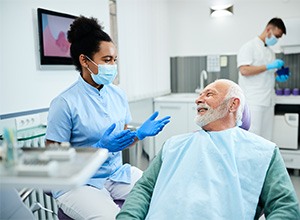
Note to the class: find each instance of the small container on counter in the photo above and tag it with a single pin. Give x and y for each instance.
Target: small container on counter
(296, 91)
(279, 91)
(287, 91)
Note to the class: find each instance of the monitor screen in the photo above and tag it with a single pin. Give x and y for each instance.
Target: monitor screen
(53, 43)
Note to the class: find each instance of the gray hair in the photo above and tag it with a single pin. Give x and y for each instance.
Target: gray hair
(235, 91)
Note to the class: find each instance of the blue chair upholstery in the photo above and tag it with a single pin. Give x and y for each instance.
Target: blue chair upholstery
(62, 216)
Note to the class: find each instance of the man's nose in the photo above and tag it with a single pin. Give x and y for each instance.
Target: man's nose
(199, 100)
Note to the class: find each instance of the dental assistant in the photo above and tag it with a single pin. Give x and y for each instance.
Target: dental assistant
(257, 66)
(94, 112)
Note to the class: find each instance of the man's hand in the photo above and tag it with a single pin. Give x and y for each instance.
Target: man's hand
(277, 64)
(282, 78)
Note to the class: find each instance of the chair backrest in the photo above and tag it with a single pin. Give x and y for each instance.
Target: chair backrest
(246, 120)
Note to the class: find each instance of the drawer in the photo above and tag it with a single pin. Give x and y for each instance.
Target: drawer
(285, 130)
(291, 160)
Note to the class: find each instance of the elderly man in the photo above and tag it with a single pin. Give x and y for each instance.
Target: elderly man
(219, 172)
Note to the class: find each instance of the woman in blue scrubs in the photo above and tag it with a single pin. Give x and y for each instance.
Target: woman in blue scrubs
(95, 112)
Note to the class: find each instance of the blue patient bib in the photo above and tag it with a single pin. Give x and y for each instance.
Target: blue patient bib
(211, 175)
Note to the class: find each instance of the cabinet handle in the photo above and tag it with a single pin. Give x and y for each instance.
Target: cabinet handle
(288, 160)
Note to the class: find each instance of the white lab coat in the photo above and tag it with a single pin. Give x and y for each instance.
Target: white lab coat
(258, 89)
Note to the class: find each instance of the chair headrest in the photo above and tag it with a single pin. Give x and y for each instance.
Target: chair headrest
(246, 120)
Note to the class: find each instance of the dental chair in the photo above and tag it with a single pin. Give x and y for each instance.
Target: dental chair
(246, 119)
(12, 205)
(62, 216)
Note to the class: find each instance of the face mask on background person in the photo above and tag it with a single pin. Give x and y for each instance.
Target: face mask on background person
(106, 73)
(270, 41)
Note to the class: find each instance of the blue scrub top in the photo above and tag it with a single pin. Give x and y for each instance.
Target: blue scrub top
(81, 114)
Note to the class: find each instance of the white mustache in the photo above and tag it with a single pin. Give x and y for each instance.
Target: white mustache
(203, 105)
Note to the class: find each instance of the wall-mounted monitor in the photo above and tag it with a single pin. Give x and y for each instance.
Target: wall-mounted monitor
(53, 43)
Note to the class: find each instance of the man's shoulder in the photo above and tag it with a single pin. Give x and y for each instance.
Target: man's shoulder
(255, 139)
(180, 140)
(180, 137)
(251, 44)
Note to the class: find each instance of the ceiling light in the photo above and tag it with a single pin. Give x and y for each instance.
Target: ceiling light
(221, 10)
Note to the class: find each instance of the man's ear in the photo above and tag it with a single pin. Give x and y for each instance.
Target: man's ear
(83, 61)
(235, 103)
(269, 28)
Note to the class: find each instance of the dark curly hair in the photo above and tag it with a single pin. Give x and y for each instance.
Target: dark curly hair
(84, 35)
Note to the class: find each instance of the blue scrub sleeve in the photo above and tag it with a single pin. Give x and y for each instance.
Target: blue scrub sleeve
(59, 121)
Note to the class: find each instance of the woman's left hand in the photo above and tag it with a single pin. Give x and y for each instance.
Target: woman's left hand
(152, 127)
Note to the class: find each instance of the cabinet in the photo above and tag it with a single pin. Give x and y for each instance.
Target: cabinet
(182, 109)
(291, 158)
(290, 137)
(290, 43)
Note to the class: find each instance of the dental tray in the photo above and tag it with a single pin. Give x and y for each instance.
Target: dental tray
(59, 153)
(37, 167)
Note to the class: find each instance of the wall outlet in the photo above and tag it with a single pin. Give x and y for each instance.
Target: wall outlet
(27, 121)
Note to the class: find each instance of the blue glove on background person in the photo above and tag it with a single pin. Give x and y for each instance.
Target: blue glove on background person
(282, 78)
(114, 142)
(151, 127)
(277, 64)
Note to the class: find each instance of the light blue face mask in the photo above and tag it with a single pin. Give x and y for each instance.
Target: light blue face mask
(270, 41)
(106, 73)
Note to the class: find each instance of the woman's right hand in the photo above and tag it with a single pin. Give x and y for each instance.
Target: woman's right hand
(116, 141)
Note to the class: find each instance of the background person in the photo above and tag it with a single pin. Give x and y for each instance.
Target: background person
(220, 172)
(94, 112)
(257, 65)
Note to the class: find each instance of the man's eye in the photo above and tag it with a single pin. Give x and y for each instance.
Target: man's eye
(209, 94)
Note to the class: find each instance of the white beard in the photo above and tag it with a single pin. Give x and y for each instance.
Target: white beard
(211, 114)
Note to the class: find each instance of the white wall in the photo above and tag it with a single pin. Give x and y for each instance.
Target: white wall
(23, 85)
(195, 33)
(150, 31)
(144, 62)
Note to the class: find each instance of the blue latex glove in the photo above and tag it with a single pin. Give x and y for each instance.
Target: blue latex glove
(115, 141)
(282, 78)
(152, 127)
(277, 64)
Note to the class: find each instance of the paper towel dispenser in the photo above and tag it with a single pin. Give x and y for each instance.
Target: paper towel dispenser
(290, 43)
